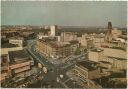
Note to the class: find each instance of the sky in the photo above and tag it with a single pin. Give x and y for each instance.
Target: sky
(64, 13)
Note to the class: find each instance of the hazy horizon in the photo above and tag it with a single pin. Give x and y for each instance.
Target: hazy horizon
(63, 13)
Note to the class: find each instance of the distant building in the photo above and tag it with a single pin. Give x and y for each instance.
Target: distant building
(90, 42)
(112, 33)
(116, 33)
(42, 35)
(82, 40)
(68, 36)
(98, 40)
(46, 27)
(10, 47)
(105, 67)
(18, 41)
(118, 43)
(53, 30)
(26, 33)
(108, 36)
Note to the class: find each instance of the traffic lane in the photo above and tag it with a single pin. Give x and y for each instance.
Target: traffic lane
(49, 65)
(72, 84)
(43, 59)
(51, 79)
(51, 75)
(35, 85)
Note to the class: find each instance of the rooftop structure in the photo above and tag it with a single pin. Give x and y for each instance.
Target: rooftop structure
(8, 45)
(87, 70)
(19, 55)
(89, 65)
(15, 63)
(96, 54)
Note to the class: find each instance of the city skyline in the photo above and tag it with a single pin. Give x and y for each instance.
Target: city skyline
(64, 13)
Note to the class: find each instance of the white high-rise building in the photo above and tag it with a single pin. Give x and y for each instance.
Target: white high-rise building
(53, 29)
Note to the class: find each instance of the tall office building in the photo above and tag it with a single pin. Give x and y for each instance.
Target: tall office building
(53, 30)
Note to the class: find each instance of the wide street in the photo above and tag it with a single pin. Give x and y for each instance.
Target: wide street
(54, 71)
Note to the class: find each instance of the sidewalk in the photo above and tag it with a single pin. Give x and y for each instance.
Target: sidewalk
(86, 83)
(75, 78)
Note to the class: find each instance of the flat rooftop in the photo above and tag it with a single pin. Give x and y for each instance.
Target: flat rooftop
(16, 38)
(19, 55)
(90, 65)
(117, 58)
(56, 44)
(97, 50)
(8, 45)
(105, 62)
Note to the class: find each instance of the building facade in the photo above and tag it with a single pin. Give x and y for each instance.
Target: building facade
(96, 55)
(87, 70)
(68, 36)
(15, 64)
(57, 49)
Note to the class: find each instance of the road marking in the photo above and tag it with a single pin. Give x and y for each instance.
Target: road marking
(63, 84)
(67, 80)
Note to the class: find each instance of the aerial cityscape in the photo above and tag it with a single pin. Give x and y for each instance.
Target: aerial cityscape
(79, 47)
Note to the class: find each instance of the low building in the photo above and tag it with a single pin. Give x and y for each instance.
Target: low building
(15, 63)
(118, 43)
(4, 66)
(96, 55)
(82, 40)
(20, 61)
(98, 40)
(10, 47)
(105, 67)
(118, 63)
(87, 70)
(17, 40)
(68, 36)
(90, 42)
(116, 33)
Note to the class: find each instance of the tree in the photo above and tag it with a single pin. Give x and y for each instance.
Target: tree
(77, 52)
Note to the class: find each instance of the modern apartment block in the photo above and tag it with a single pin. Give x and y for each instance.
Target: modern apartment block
(96, 55)
(87, 70)
(15, 63)
(14, 59)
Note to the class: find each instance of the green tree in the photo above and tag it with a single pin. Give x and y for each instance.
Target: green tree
(78, 51)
